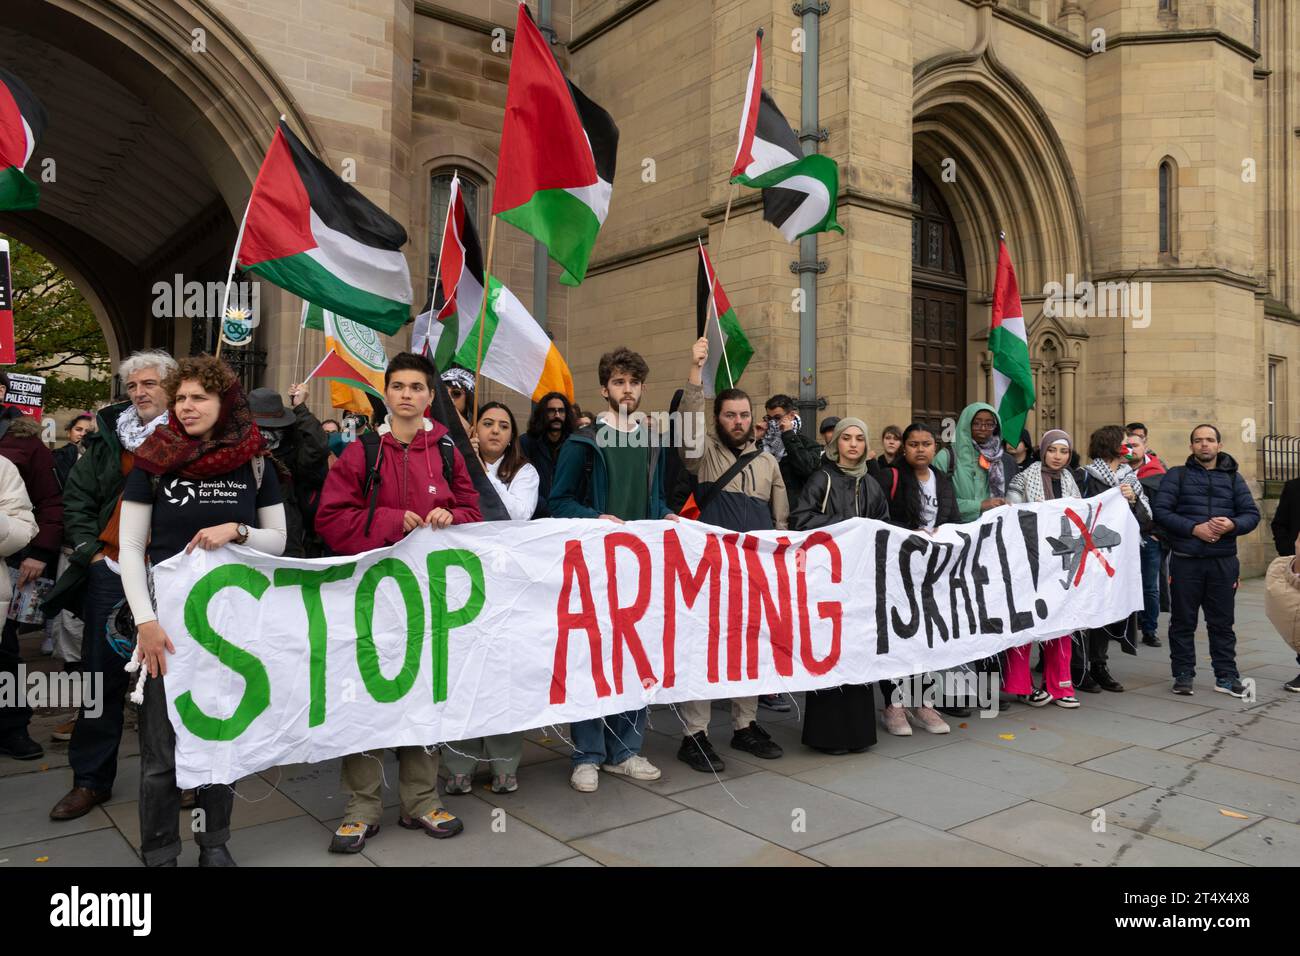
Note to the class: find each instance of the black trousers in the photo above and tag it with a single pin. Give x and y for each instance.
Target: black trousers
(160, 800)
(95, 740)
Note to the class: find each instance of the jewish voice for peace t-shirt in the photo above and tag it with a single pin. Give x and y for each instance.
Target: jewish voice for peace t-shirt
(929, 501)
(184, 506)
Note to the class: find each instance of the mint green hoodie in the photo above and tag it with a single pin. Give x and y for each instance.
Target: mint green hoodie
(969, 479)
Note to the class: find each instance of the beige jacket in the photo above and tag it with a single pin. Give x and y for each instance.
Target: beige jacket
(1282, 600)
(17, 522)
(750, 499)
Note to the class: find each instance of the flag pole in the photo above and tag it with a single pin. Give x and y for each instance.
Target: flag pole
(726, 217)
(437, 265)
(234, 260)
(230, 273)
(482, 314)
(297, 356)
(713, 307)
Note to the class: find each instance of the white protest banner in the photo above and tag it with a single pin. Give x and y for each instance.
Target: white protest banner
(502, 626)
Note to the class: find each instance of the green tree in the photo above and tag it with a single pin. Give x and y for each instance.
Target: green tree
(55, 331)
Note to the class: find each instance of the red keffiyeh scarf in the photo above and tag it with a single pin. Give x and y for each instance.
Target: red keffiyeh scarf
(234, 441)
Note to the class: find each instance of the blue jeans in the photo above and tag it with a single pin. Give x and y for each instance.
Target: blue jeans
(1210, 583)
(1150, 585)
(93, 750)
(610, 740)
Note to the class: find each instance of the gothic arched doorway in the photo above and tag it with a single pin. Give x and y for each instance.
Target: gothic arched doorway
(938, 307)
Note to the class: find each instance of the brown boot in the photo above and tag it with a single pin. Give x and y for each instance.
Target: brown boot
(77, 802)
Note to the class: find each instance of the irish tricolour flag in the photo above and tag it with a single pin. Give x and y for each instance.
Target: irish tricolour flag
(516, 352)
(22, 121)
(729, 349)
(555, 173)
(1013, 379)
(309, 232)
(799, 192)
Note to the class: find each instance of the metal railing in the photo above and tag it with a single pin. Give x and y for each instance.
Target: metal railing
(1279, 457)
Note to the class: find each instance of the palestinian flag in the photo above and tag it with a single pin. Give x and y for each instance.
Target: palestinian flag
(22, 122)
(458, 298)
(309, 232)
(729, 350)
(354, 360)
(799, 191)
(516, 352)
(555, 173)
(1013, 378)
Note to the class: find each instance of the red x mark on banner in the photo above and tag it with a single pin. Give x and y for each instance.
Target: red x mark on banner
(1088, 546)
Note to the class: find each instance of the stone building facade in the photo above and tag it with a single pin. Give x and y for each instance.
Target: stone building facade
(1150, 143)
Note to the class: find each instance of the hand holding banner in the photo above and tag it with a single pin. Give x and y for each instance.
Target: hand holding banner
(502, 626)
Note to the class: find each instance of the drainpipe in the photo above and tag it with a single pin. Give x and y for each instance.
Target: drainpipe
(809, 266)
(541, 261)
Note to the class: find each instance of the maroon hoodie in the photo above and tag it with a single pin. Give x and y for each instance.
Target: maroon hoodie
(411, 479)
(22, 445)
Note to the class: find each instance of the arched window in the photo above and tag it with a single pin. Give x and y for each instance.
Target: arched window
(1168, 207)
(439, 196)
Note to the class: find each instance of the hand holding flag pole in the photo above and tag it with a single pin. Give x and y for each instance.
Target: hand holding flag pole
(713, 310)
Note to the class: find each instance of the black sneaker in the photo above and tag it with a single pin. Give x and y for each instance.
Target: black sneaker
(1293, 685)
(1088, 685)
(1102, 676)
(17, 743)
(774, 702)
(955, 711)
(1150, 640)
(698, 754)
(1183, 686)
(755, 740)
(1230, 685)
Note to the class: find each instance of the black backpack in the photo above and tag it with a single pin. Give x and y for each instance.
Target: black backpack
(373, 447)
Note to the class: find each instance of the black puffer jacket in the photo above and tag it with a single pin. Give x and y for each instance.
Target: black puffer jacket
(831, 496)
(1192, 494)
(802, 458)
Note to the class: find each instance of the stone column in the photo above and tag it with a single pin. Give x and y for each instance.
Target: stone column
(1065, 369)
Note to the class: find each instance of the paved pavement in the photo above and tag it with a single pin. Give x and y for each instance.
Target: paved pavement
(1205, 781)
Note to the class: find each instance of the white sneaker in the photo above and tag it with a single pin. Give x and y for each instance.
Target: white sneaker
(585, 778)
(929, 719)
(1070, 701)
(636, 767)
(894, 720)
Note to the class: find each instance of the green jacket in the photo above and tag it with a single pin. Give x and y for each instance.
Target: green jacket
(94, 485)
(970, 481)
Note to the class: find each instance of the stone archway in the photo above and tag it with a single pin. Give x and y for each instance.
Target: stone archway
(156, 133)
(990, 148)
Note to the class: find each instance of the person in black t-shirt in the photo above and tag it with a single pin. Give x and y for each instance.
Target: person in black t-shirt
(201, 480)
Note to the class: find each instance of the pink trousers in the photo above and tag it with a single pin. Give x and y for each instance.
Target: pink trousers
(1056, 668)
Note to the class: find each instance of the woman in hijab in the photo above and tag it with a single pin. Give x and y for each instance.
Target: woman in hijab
(1048, 479)
(977, 461)
(841, 720)
(201, 480)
